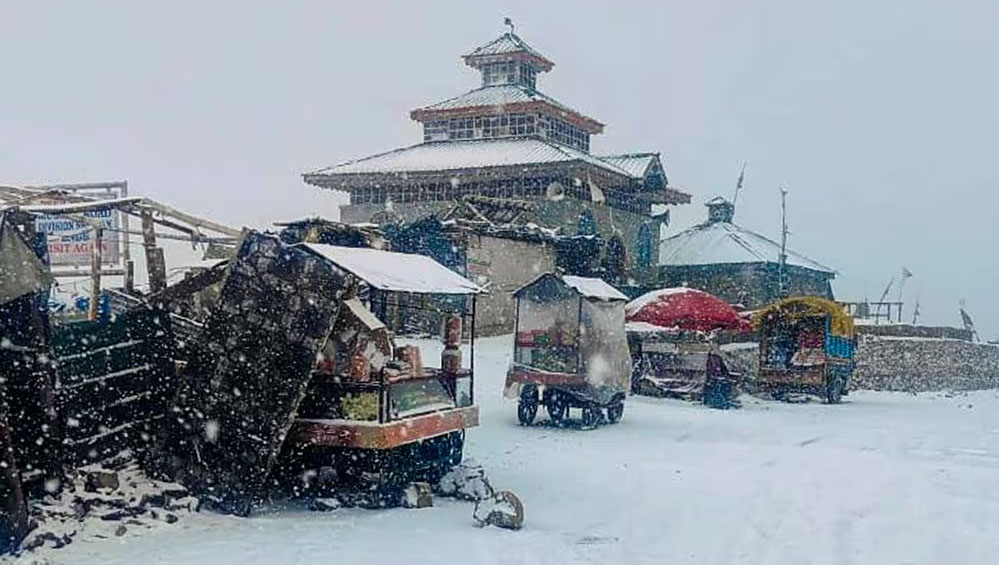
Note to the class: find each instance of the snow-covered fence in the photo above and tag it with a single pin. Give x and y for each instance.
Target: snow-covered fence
(113, 382)
(925, 364)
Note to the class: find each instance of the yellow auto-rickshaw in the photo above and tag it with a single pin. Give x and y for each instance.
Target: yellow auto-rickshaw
(806, 345)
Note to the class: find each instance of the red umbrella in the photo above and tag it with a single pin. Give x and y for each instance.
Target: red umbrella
(686, 309)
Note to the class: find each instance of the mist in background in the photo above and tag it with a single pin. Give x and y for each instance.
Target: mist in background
(881, 117)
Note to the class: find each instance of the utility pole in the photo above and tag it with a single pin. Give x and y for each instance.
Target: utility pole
(782, 265)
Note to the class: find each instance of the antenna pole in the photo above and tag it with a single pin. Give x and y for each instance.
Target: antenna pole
(782, 265)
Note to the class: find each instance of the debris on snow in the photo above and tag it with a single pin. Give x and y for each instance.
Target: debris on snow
(101, 479)
(467, 481)
(503, 509)
(103, 501)
(324, 504)
(418, 495)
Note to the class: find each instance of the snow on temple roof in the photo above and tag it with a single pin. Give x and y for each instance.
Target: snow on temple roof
(498, 96)
(635, 163)
(506, 44)
(467, 154)
(723, 242)
(396, 272)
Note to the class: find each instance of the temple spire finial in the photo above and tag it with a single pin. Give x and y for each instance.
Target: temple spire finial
(509, 22)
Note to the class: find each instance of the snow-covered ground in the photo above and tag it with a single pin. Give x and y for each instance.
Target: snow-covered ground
(881, 479)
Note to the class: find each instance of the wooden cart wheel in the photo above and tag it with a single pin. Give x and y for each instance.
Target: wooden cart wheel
(527, 408)
(591, 416)
(557, 406)
(615, 411)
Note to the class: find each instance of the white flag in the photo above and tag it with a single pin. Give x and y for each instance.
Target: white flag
(596, 195)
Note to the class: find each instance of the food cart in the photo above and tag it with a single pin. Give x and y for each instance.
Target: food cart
(806, 345)
(378, 411)
(673, 336)
(570, 350)
(681, 364)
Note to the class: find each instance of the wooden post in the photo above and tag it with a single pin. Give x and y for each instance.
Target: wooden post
(129, 276)
(126, 242)
(155, 265)
(95, 273)
(13, 509)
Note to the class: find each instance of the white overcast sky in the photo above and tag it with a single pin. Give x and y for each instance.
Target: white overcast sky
(880, 116)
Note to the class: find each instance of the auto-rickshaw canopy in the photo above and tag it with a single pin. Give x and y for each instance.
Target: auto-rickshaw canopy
(793, 310)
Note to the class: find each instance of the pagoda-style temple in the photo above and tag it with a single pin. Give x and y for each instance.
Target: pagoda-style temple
(506, 139)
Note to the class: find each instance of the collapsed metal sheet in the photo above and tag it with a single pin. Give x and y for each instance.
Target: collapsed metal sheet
(249, 369)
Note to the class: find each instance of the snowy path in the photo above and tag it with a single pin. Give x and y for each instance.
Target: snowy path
(882, 479)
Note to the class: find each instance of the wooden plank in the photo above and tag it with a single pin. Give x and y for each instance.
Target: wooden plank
(140, 406)
(97, 395)
(82, 367)
(112, 442)
(545, 378)
(250, 368)
(113, 377)
(372, 435)
(155, 263)
(86, 337)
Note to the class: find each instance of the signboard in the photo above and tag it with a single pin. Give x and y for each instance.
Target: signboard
(71, 243)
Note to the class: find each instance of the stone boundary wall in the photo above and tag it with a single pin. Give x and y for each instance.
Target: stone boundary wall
(902, 364)
(924, 365)
(908, 330)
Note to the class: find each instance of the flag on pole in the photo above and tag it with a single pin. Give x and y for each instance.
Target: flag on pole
(738, 183)
(906, 273)
(969, 324)
(884, 296)
(596, 195)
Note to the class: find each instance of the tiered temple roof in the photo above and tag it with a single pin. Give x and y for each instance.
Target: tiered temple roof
(504, 132)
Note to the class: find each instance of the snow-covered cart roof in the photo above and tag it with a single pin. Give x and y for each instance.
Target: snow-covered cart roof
(396, 272)
(593, 289)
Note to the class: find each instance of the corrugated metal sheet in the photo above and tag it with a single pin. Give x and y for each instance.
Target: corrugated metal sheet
(506, 43)
(722, 242)
(498, 95)
(635, 163)
(467, 154)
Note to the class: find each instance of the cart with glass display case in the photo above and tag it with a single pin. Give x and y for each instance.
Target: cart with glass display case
(570, 350)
